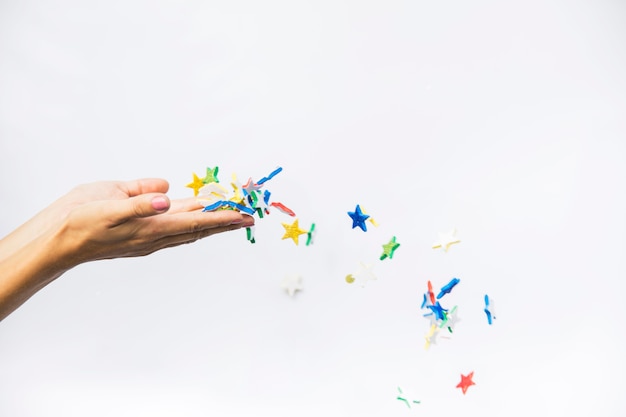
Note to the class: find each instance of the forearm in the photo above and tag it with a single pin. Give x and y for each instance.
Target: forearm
(30, 268)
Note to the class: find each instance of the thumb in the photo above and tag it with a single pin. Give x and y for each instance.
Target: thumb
(143, 205)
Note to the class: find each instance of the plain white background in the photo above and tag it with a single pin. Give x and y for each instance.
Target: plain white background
(505, 121)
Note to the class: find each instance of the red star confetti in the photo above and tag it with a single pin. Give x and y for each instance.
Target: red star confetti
(466, 382)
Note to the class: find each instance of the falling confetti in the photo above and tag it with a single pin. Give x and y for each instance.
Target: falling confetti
(446, 289)
(466, 382)
(292, 283)
(389, 249)
(358, 218)
(363, 275)
(446, 240)
(402, 397)
(487, 310)
(293, 231)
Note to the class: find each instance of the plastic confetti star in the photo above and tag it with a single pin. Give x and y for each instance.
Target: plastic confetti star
(402, 397)
(211, 175)
(431, 336)
(250, 186)
(196, 184)
(293, 231)
(292, 283)
(466, 382)
(389, 249)
(310, 235)
(451, 319)
(431, 294)
(446, 240)
(438, 311)
(364, 274)
(250, 234)
(487, 311)
(358, 218)
(211, 193)
(448, 287)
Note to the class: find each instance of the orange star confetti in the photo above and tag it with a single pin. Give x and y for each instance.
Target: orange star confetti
(466, 382)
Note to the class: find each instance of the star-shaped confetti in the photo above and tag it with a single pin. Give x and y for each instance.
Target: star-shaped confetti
(292, 283)
(438, 310)
(363, 275)
(451, 319)
(211, 175)
(487, 310)
(196, 184)
(358, 218)
(250, 186)
(389, 248)
(403, 397)
(310, 236)
(466, 382)
(211, 193)
(446, 289)
(431, 336)
(446, 240)
(293, 231)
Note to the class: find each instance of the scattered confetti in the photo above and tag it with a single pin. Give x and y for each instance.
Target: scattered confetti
(292, 283)
(438, 316)
(293, 231)
(196, 184)
(364, 274)
(487, 310)
(450, 319)
(446, 240)
(389, 249)
(358, 218)
(211, 175)
(310, 235)
(448, 287)
(431, 336)
(466, 382)
(402, 397)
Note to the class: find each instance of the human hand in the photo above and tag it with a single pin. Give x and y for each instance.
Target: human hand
(110, 219)
(101, 220)
(116, 219)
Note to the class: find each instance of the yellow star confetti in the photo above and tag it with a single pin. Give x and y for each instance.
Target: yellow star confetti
(293, 231)
(196, 184)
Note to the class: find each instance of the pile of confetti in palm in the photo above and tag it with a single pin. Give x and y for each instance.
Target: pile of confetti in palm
(250, 198)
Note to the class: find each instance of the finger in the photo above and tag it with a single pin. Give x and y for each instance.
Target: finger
(144, 205)
(185, 204)
(186, 238)
(145, 185)
(199, 221)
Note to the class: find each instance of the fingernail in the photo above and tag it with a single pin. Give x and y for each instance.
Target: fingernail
(160, 203)
(245, 219)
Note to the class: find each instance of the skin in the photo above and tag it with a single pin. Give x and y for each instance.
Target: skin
(101, 220)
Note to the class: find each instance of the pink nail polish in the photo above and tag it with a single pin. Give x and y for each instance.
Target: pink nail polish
(160, 203)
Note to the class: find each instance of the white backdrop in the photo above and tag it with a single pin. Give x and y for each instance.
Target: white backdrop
(504, 121)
